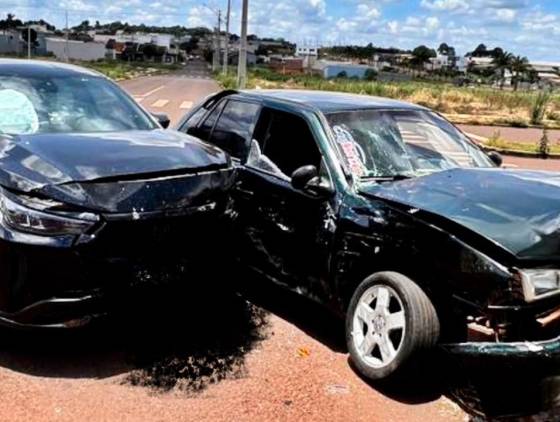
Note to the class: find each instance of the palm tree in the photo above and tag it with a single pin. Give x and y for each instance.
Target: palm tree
(519, 66)
(502, 62)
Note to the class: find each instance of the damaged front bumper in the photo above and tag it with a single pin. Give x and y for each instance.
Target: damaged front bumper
(512, 379)
(544, 353)
(66, 281)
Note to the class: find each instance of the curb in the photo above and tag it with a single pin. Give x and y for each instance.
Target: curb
(523, 154)
(480, 140)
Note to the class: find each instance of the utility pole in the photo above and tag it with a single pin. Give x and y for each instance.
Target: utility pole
(29, 42)
(67, 51)
(242, 65)
(226, 47)
(216, 55)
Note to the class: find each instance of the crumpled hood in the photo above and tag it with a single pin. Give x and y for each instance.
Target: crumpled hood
(29, 162)
(519, 210)
(126, 172)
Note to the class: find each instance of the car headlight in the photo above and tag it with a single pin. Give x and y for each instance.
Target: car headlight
(16, 213)
(539, 284)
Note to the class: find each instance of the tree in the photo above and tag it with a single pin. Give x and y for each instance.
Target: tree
(519, 67)
(370, 75)
(422, 54)
(10, 22)
(25, 35)
(501, 63)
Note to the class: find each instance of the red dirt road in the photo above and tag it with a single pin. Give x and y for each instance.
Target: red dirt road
(288, 377)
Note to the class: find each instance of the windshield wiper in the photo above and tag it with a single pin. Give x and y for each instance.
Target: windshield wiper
(391, 177)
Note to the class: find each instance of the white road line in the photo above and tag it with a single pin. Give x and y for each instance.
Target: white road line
(185, 105)
(152, 92)
(160, 103)
(138, 99)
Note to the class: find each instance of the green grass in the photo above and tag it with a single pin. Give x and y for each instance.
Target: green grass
(114, 69)
(119, 70)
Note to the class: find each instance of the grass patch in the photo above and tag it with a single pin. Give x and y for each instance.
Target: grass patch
(119, 70)
(479, 105)
(496, 141)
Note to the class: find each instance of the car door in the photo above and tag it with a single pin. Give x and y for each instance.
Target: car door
(283, 232)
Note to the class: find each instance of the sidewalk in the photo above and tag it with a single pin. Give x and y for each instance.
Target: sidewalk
(512, 134)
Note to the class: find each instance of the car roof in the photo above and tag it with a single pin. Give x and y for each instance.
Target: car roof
(329, 102)
(31, 68)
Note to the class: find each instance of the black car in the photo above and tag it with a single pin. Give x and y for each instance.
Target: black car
(95, 196)
(389, 215)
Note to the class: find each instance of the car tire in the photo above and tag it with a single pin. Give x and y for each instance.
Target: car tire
(390, 324)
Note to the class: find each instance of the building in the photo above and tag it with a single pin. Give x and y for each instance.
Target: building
(233, 58)
(332, 69)
(76, 50)
(441, 61)
(286, 65)
(549, 72)
(11, 42)
(309, 54)
(307, 51)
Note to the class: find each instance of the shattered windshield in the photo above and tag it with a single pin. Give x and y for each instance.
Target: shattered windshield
(401, 143)
(69, 104)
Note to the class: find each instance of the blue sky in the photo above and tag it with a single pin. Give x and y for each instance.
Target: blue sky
(527, 27)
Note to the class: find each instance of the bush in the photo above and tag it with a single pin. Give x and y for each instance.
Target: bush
(370, 75)
(539, 106)
(544, 144)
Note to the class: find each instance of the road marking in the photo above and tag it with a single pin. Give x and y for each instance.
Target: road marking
(138, 99)
(160, 103)
(152, 92)
(185, 105)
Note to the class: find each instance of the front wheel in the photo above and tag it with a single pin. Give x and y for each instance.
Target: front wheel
(390, 322)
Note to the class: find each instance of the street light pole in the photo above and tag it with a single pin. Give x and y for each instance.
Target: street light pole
(226, 47)
(216, 55)
(67, 52)
(29, 42)
(242, 65)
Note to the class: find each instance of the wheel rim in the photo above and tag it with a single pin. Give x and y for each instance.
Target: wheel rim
(379, 326)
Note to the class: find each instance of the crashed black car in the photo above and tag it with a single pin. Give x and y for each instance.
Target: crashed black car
(388, 214)
(95, 195)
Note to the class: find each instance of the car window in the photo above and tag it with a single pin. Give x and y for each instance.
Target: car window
(286, 140)
(205, 129)
(235, 128)
(192, 122)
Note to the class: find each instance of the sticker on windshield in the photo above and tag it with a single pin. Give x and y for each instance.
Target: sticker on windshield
(17, 114)
(351, 151)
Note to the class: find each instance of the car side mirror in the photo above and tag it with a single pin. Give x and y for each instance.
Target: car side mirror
(496, 158)
(162, 119)
(306, 178)
(303, 175)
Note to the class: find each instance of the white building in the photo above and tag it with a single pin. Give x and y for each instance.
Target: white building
(309, 54)
(76, 50)
(161, 40)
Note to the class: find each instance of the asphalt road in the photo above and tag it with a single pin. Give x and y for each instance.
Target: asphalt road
(173, 94)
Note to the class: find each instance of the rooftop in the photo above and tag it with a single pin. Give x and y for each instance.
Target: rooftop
(332, 101)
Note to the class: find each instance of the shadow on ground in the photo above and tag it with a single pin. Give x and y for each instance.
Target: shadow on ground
(199, 332)
(183, 337)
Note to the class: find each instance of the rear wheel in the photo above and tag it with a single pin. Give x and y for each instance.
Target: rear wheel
(389, 324)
